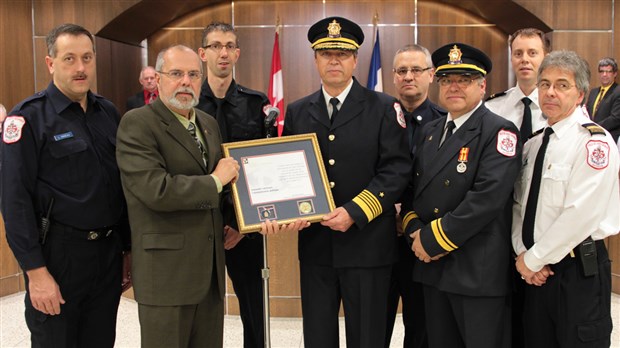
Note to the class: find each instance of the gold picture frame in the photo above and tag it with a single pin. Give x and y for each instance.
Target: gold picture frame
(281, 178)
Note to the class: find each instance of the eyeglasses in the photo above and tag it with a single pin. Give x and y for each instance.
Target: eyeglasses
(402, 72)
(560, 86)
(218, 46)
(461, 81)
(177, 75)
(606, 71)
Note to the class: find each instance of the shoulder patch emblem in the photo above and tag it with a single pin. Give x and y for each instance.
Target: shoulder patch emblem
(598, 154)
(12, 129)
(507, 143)
(400, 116)
(594, 128)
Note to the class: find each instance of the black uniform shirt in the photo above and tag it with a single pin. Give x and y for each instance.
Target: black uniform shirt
(240, 116)
(416, 119)
(64, 153)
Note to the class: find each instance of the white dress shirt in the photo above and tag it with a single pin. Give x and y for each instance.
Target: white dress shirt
(579, 194)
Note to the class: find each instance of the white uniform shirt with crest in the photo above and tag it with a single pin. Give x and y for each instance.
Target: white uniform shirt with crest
(579, 194)
(510, 107)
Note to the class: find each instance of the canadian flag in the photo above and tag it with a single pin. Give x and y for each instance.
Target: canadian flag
(276, 89)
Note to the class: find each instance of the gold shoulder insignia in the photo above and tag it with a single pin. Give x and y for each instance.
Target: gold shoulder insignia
(594, 128)
(536, 133)
(495, 95)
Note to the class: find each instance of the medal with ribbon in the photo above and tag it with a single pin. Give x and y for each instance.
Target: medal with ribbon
(463, 155)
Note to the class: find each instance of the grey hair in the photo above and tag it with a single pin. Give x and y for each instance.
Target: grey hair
(159, 64)
(414, 48)
(608, 61)
(568, 61)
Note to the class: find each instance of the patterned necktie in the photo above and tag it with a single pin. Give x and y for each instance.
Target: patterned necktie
(448, 132)
(334, 102)
(527, 231)
(192, 131)
(526, 124)
(152, 97)
(597, 102)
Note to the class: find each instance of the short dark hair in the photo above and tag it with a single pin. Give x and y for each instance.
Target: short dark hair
(608, 61)
(67, 28)
(531, 32)
(218, 26)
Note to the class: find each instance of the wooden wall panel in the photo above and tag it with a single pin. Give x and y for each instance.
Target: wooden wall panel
(117, 64)
(592, 46)
(571, 14)
(92, 15)
(15, 52)
(10, 273)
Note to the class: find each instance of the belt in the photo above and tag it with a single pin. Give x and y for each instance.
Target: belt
(94, 234)
(573, 256)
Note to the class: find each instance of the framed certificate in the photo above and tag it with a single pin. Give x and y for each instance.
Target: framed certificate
(280, 179)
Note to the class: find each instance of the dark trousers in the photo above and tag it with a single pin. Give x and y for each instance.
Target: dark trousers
(570, 310)
(189, 326)
(89, 276)
(244, 263)
(402, 286)
(515, 303)
(458, 321)
(363, 292)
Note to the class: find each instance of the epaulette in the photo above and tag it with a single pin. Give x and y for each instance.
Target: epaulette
(493, 96)
(246, 90)
(594, 128)
(536, 133)
(38, 95)
(439, 110)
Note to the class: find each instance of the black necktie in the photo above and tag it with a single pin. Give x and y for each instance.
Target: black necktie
(526, 124)
(192, 131)
(527, 231)
(449, 129)
(334, 102)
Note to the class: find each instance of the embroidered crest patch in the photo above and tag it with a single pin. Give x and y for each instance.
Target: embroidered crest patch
(12, 129)
(400, 116)
(598, 154)
(507, 143)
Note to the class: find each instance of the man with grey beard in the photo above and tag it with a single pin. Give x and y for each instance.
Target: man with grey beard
(172, 172)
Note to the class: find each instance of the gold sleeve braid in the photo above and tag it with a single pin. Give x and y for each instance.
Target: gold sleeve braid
(441, 237)
(407, 219)
(369, 204)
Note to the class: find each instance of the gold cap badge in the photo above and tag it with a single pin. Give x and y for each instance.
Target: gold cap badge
(334, 29)
(455, 55)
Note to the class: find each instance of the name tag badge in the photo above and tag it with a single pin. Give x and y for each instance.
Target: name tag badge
(63, 136)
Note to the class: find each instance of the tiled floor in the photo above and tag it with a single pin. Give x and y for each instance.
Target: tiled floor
(285, 333)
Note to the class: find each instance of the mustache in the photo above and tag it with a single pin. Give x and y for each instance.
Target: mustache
(80, 76)
(184, 90)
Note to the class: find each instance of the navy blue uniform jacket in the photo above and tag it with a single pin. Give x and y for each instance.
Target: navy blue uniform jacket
(464, 214)
(368, 165)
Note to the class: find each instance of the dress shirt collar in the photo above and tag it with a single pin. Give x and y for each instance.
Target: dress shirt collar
(341, 97)
(462, 119)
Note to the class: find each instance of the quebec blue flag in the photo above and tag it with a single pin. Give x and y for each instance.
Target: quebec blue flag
(375, 81)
